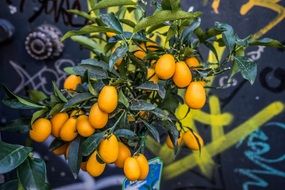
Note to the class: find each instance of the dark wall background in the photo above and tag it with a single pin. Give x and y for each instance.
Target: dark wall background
(254, 162)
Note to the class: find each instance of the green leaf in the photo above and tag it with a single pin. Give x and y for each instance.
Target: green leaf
(78, 98)
(142, 105)
(74, 157)
(87, 30)
(58, 93)
(170, 101)
(93, 71)
(161, 91)
(188, 31)
(173, 5)
(247, 68)
(18, 102)
(153, 131)
(268, 42)
(172, 131)
(88, 43)
(148, 86)
(38, 114)
(10, 185)
(91, 143)
(111, 3)
(20, 125)
(11, 156)
(128, 22)
(112, 22)
(32, 174)
(164, 15)
(55, 109)
(163, 115)
(95, 62)
(55, 144)
(125, 133)
(123, 99)
(37, 95)
(80, 13)
(120, 52)
(228, 35)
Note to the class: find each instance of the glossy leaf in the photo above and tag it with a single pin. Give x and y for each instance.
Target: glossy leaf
(164, 15)
(37, 95)
(112, 22)
(125, 133)
(78, 98)
(247, 68)
(123, 99)
(173, 5)
(37, 115)
(228, 34)
(87, 30)
(80, 13)
(95, 62)
(55, 109)
(111, 3)
(153, 131)
(88, 43)
(58, 93)
(148, 86)
(267, 42)
(188, 31)
(94, 72)
(91, 143)
(118, 54)
(18, 102)
(11, 156)
(74, 157)
(142, 105)
(55, 144)
(32, 174)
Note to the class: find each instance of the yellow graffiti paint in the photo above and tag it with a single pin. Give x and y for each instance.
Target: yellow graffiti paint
(226, 141)
(269, 4)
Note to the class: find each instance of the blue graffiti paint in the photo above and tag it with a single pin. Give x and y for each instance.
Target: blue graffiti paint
(258, 147)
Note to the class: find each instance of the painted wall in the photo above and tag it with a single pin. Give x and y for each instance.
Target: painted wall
(243, 126)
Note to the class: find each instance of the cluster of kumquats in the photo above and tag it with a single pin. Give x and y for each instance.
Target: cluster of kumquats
(68, 126)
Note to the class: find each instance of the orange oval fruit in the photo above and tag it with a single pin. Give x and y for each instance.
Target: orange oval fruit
(132, 169)
(151, 76)
(68, 130)
(192, 62)
(195, 95)
(140, 54)
(108, 149)
(93, 166)
(190, 140)
(83, 126)
(143, 164)
(124, 153)
(151, 46)
(165, 66)
(71, 82)
(108, 99)
(182, 76)
(60, 150)
(40, 130)
(169, 142)
(97, 118)
(57, 122)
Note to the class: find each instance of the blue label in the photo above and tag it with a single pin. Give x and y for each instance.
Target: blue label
(152, 181)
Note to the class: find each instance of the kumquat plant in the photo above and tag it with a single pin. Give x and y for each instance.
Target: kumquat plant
(128, 89)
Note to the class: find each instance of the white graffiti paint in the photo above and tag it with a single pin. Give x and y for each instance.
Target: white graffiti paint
(256, 55)
(39, 80)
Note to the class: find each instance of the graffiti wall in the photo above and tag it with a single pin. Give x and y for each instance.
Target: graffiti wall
(243, 126)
